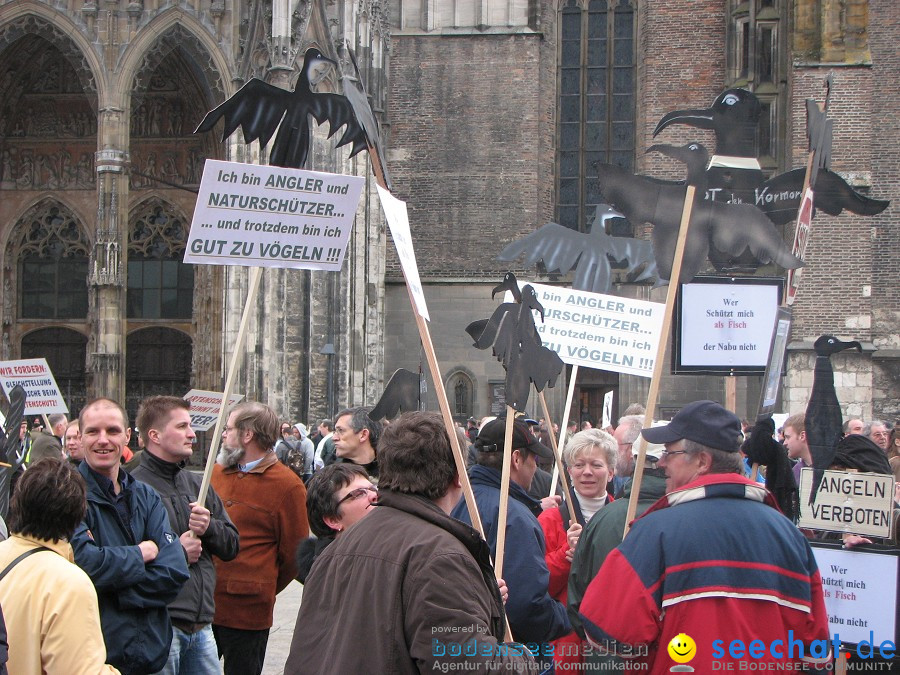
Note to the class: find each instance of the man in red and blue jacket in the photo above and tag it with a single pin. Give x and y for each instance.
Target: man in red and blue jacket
(713, 561)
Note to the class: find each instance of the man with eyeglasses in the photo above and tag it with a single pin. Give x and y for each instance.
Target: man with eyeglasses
(356, 438)
(267, 503)
(714, 559)
(407, 589)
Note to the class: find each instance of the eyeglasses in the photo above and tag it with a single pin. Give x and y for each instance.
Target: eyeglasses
(357, 493)
(667, 453)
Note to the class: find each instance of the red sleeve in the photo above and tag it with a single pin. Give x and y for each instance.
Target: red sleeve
(636, 620)
(555, 554)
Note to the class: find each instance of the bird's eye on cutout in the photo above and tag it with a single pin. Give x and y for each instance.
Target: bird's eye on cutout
(731, 99)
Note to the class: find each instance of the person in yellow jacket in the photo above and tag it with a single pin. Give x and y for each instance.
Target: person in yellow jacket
(49, 604)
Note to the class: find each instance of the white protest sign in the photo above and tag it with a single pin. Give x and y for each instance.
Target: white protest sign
(859, 503)
(205, 407)
(269, 216)
(398, 222)
(860, 591)
(42, 395)
(606, 419)
(599, 331)
(727, 325)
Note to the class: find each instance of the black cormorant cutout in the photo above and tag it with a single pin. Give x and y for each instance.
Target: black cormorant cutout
(9, 441)
(730, 229)
(516, 343)
(824, 422)
(734, 118)
(402, 394)
(562, 248)
(259, 109)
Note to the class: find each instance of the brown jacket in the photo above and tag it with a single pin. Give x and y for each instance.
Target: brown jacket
(407, 589)
(268, 506)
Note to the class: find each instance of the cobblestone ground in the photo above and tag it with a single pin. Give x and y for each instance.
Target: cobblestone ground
(287, 604)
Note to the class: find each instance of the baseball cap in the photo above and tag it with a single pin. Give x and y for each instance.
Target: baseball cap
(704, 422)
(492, 436)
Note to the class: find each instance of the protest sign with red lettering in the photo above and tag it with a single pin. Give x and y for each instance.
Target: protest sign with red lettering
(42, 395)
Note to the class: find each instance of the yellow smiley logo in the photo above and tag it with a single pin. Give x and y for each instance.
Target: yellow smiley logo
(682, 648)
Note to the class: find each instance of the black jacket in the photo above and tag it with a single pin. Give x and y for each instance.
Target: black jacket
(178, 488)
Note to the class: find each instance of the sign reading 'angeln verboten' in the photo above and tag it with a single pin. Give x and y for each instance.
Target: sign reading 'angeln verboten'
(858, 503)
(269, 216)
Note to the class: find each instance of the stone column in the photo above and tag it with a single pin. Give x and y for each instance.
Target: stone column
(107, 277)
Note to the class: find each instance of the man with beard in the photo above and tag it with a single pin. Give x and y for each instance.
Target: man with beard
(267, 504)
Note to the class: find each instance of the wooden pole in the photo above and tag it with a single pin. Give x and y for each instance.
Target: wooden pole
(504, 491)
(731, 393)
(236, 357)
(560, 468)
(564, 425)
(444, 405)
(660, 355)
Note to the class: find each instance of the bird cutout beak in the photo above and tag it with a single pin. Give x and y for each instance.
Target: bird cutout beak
(702, 119)
(673, 151)
(849, 345)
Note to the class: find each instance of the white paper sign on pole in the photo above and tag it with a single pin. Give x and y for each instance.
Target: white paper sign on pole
(269, 216)
(205, 407)
(860, 591)
(398, 222)
(599, 331)
(859, 503)
(726, 325)
(606, 420)
(42, 396)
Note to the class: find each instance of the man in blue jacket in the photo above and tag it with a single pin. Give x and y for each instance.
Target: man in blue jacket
(535, 618)
(126, 546)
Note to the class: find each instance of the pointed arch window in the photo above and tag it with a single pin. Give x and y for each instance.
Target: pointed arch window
(462, 390)
(160, 286)
(53, 265)
(596, 106)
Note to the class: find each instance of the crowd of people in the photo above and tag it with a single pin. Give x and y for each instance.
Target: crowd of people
(112, 564)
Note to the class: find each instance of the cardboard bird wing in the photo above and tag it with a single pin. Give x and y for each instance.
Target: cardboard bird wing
(637, 255)
(559, 247)
(359, 102)
(401, 394)
(779, 197)
(337, 111)
(257, 108)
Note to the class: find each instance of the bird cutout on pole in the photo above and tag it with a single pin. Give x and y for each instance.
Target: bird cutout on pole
(260, 109)
(734, 173)
(355, 92)
(824, 421)
(402, 394)
(516, 343)
(10, 460)
(561, 249)
(731, 229)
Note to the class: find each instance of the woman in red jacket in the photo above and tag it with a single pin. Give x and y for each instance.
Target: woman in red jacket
(591, 460)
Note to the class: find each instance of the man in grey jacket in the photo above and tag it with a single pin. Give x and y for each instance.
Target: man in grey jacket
(165, 425)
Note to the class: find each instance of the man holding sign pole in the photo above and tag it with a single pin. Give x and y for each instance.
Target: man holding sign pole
(535, 618)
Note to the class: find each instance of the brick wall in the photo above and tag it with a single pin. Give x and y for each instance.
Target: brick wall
(468, 148)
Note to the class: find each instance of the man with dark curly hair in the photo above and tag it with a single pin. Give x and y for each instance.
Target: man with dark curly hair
(424, 578)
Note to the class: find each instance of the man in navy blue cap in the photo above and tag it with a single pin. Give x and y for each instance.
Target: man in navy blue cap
(714, 560)
(535, 618)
